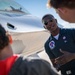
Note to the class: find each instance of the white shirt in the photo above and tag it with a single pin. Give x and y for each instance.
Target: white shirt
(56, 37)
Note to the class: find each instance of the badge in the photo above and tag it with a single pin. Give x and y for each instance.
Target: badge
(64, 37)
(68, 72)
(52, 45)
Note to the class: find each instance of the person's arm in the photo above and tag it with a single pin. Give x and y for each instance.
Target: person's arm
(57, 66)
(66, 57)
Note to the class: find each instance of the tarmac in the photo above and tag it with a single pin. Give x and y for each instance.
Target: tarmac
(30, 43)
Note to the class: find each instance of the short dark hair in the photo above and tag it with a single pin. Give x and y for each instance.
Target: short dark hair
(61, 3)
(47, 15)
(4, 40)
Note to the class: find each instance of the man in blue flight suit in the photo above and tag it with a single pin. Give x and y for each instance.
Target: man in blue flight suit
(60, 46)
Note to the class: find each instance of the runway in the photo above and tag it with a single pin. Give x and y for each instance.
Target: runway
(29, 43)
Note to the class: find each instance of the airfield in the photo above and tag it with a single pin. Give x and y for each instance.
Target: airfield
(30, 44)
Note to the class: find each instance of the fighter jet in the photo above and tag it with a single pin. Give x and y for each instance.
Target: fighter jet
(15, 18)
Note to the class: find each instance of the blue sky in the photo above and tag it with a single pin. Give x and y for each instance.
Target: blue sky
(38, 8)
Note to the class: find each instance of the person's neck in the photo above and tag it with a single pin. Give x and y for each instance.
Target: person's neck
(6, 52)
(54, 33)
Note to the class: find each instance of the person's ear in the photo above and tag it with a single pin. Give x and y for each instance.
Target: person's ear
(62, 10)
(10, 39)
(56, 20)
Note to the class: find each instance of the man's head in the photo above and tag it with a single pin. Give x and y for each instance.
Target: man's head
(62, 3)
(65, 9)
(50, 23)
(4, 40)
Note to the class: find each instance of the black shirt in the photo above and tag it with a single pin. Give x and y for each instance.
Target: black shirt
(66, 42)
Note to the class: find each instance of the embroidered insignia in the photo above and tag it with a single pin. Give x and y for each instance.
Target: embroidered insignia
(65, 41)
(68, 72)
(52, 45)
(64, 37)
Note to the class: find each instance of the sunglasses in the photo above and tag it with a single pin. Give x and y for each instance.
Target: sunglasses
(46, 22)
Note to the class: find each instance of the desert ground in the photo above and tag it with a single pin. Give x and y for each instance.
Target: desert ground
(29, 43)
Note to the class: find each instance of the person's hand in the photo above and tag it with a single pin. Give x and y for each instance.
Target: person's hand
(66, 57)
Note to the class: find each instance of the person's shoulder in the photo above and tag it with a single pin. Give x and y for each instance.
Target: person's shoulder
(41, 66)
(18, 67)
(66, 30)
(48, 39)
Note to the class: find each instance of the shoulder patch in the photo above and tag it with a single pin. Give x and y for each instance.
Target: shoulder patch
(52, 44)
